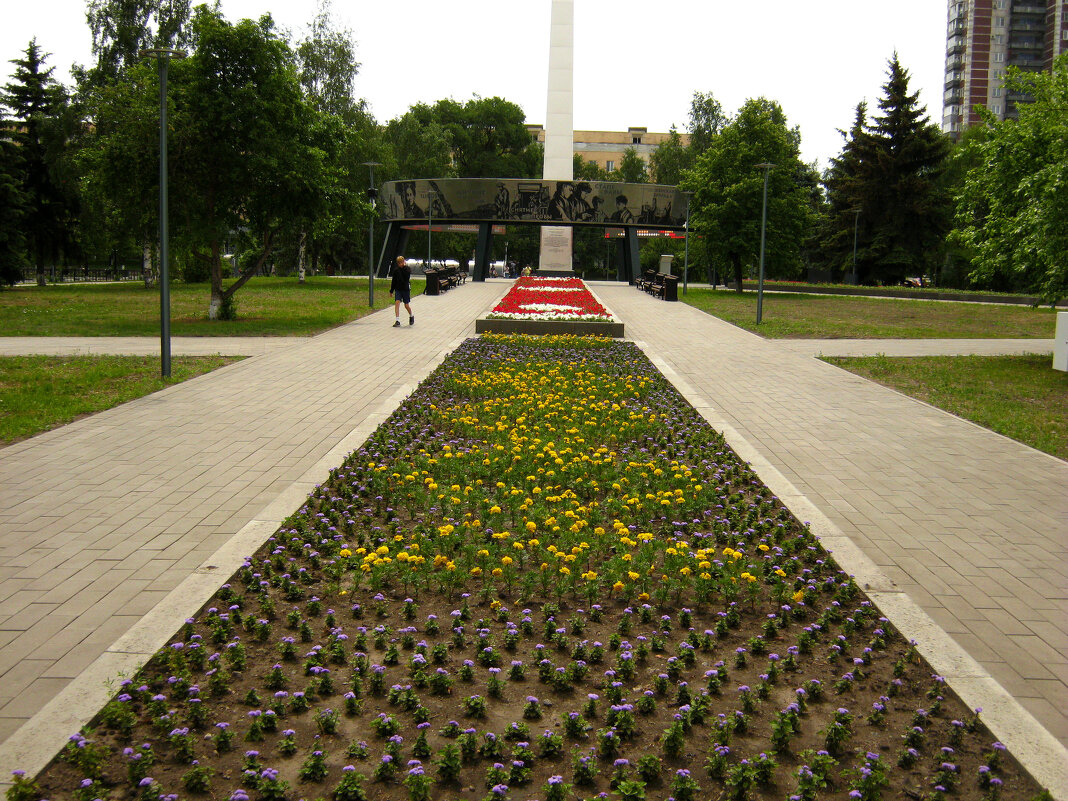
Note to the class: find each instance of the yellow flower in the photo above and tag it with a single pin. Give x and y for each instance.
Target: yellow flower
(506, 560)
(565, 570)
(382, 550)
(633, 576)
(345, 552)
(532, 526)
(685, 571)
(402, 556)
(618, 586)
(495, 510)
(497, 572)
(798, 596)
(763, 547)
(476, 571)
(643, 596)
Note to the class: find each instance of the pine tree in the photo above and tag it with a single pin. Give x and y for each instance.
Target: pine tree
(899, 192)
(37, 102)
(841, 225)
(12, 210)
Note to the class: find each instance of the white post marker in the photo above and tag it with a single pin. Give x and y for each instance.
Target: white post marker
(1060, 343)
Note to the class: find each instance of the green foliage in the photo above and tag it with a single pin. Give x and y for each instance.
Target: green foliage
(890, 170)
(13, 204)
(121, 29)
(1012, 213)
(706, 121)
(726, 207)
(670, 160)
(41, 132)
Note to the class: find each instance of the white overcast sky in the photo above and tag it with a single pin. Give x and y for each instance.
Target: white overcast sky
(637, 62)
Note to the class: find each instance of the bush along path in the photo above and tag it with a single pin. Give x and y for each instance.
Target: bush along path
(544, 577)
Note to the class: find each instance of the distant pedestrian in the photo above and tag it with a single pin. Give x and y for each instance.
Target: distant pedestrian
(401, 290)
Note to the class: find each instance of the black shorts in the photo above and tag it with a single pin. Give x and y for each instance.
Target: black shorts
(403, 295)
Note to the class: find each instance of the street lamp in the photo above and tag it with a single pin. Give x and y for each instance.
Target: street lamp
(686, 251)
(163, 55)
(856, 221)
(766, 167)
(430, 195)
(372, 193)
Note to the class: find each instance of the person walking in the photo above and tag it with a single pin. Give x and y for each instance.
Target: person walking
(400, 288)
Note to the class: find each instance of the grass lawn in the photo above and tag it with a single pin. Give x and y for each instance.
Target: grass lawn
(793, 316)
(38, 393)
(265, 307)
(1018, 396)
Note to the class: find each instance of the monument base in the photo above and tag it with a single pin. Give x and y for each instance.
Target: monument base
(550, 272)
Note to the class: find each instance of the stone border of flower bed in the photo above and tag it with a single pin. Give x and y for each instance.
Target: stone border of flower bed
(485, 325)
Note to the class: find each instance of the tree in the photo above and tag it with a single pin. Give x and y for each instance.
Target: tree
(38, 106)
(419, 145)
(845, 195)
(631, 169)
(728, 192)
(588, 170)
(328, 66)
(670, 160)
(12, 212)
(1012, 213)
(245, 151)
(893, 175)
(488, 137)
(123, 28)
(706, 121)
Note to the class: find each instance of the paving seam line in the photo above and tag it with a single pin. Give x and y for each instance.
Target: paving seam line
(1040, 753)
(33, 745)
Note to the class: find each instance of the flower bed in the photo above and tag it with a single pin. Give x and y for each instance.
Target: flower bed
(538, 305)
(543, 577)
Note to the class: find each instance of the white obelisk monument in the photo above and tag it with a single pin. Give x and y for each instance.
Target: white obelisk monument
(559, 164)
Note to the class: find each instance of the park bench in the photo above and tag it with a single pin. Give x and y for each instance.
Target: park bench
(661, 285)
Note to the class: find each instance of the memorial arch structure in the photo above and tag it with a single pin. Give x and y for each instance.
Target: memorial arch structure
(484, 205)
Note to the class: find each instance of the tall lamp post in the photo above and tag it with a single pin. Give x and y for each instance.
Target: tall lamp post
(163, 55)
(430, 224)
(856, 222)
(686, 247)
(766, 167)
(372, 193)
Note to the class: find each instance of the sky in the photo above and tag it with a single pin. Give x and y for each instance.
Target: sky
(636, 63)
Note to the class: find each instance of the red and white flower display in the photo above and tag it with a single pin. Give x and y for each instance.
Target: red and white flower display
(533, 298)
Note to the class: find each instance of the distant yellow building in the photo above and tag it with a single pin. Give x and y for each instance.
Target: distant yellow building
(606, 148)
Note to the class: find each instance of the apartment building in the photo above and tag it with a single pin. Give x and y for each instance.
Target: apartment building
(606, 148)
(983, 39)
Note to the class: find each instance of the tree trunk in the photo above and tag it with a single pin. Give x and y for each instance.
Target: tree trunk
(215, 270)
(300, 258)
(737, 262)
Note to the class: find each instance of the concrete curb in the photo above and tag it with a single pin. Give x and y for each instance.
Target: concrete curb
(1040, 753)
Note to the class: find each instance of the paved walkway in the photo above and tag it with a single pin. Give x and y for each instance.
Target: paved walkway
(115, 528)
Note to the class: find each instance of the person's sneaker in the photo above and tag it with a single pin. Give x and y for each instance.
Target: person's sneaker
(411, 321)
(397, 324)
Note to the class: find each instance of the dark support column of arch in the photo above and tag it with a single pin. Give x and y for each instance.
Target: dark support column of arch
(483, 250)
(396, 242)
(621, 259)
(632, 257)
